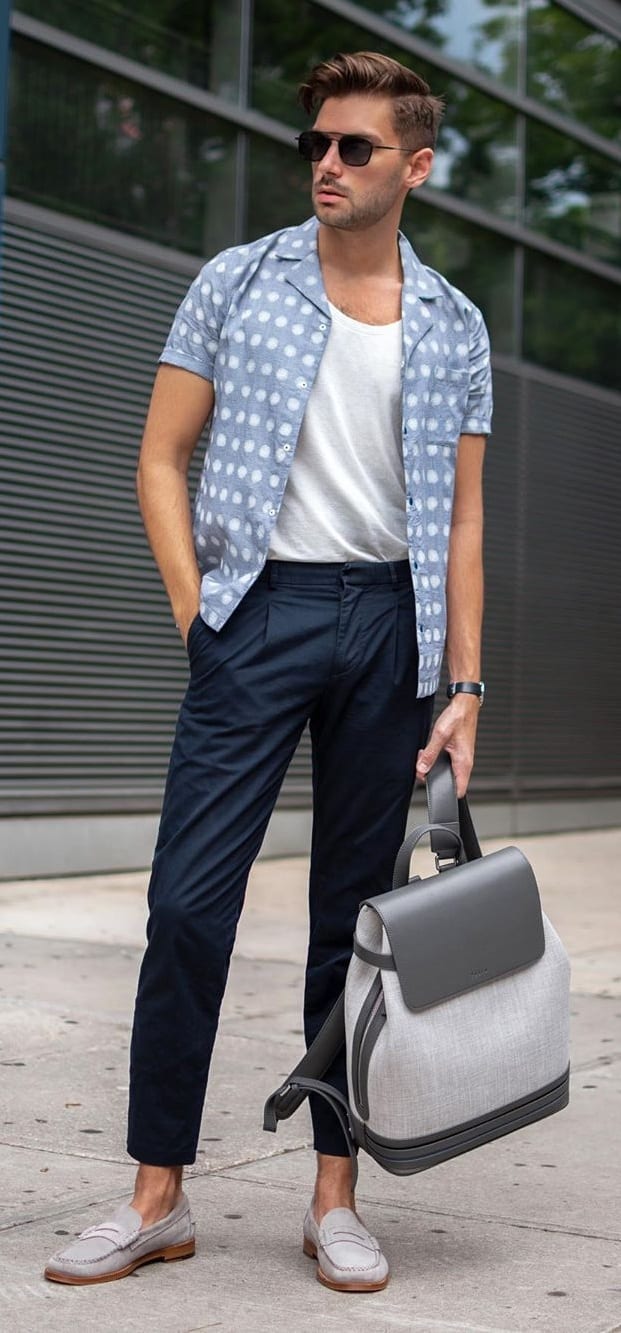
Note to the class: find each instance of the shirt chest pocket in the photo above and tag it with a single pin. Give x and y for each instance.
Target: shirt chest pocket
(448, 397)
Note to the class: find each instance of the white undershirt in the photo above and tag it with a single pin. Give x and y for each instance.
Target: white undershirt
(345, 495)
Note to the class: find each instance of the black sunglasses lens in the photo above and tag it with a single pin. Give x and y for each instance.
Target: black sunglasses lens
(312, 145)
(355, 152)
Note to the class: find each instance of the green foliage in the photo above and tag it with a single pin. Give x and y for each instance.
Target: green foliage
(574, 69)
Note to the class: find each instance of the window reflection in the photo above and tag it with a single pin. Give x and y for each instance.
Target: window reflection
(476, 155)
(483, 32)
(573, 68)
(573, 194)
(196, 42)
(473, 259)
(571, 321)
(278, 187)
(105, 149)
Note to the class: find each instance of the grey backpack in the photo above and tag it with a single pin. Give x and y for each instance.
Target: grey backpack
(455, 1013)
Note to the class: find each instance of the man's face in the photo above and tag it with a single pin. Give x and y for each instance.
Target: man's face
(354, 198)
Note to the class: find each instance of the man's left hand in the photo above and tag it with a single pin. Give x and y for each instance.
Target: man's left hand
(454, 731)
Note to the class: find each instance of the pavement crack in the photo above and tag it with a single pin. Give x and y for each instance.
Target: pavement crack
(491, 1219)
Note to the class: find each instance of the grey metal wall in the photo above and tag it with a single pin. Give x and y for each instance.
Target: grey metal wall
(552, 643)
(92, 669)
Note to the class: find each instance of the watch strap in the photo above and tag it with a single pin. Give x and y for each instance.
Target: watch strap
(476, 687)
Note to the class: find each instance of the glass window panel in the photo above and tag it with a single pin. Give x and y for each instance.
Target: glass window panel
(573, 68)
(486, 33)
(98, 146)
(477, 153)
(278, 187)
(572, 194)
(477, 261)
(572, 321)
(196, 42)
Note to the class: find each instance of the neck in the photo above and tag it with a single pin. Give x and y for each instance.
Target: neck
(372, 252)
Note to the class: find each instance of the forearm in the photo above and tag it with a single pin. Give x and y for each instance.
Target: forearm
(464, 598)
(162, 490)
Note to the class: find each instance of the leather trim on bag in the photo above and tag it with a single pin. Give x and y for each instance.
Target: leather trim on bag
(366, 1009)
(470, 1134)
(375, 1025)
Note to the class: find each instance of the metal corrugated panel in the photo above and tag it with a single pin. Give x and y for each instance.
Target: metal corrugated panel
(552, 630)
(570, 630)
(92, 668)
(504, 506)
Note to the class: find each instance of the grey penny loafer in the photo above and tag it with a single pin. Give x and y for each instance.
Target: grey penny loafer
(348, 1257)
(114, 1248)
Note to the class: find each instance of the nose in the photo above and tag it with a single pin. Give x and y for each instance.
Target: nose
(331, 163)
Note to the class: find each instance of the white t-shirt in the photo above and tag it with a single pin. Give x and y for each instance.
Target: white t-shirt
(345, 495)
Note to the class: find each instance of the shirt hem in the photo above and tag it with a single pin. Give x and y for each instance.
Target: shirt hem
(186, 363)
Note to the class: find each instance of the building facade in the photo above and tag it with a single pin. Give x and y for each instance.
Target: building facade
(141, 140)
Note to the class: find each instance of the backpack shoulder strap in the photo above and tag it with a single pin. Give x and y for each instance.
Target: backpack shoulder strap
(313, 1065)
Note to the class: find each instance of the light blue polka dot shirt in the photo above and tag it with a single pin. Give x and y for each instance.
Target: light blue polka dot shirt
(255, 322)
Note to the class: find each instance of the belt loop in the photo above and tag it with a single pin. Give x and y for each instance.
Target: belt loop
(393, 573)
(273, 573)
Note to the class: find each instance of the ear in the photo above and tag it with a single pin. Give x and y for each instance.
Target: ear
(418, 167)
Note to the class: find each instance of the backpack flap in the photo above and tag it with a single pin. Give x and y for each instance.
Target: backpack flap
(452, 932)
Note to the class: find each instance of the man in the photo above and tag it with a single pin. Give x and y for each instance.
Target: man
(338, 523)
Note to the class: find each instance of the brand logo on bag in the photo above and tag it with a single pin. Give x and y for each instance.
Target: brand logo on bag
(481, 973)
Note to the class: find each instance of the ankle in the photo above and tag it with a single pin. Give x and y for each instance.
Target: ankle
(157, 1191)
(333, 1186)
(322, 1204)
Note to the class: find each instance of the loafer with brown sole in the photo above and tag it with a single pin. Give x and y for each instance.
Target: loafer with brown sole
(114, 1248)
(348, 1257)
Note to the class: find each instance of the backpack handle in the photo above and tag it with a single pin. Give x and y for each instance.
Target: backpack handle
(457, 854)
(442, 804)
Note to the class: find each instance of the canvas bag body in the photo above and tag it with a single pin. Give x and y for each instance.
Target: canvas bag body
(456, 1022)
(430, 1072)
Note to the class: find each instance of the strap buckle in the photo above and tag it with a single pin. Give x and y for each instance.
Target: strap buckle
(445, 863)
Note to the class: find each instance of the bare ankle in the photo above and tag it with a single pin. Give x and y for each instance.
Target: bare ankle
(157, 1191)
(333, 1185)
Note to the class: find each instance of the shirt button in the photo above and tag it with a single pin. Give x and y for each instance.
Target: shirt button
(303, 384)
(272, 512)
(287, 448)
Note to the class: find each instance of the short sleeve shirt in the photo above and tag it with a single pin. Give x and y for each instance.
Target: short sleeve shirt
(255, 322)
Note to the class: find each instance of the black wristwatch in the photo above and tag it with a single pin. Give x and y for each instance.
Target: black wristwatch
(466, 687)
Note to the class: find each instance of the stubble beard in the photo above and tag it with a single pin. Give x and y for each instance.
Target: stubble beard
(360, 215)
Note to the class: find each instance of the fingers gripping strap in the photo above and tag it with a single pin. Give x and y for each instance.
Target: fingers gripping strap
(442, 804)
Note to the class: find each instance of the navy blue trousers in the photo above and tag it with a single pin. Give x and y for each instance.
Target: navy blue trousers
(332, 644)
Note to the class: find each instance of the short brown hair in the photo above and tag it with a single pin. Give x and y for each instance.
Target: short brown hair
(416, 112)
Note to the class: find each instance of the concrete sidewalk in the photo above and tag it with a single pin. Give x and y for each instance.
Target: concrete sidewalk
(522, 1235)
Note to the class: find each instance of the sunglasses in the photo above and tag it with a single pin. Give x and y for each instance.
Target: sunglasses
(354, 149)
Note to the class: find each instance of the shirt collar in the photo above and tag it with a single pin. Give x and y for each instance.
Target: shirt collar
(298, 246)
